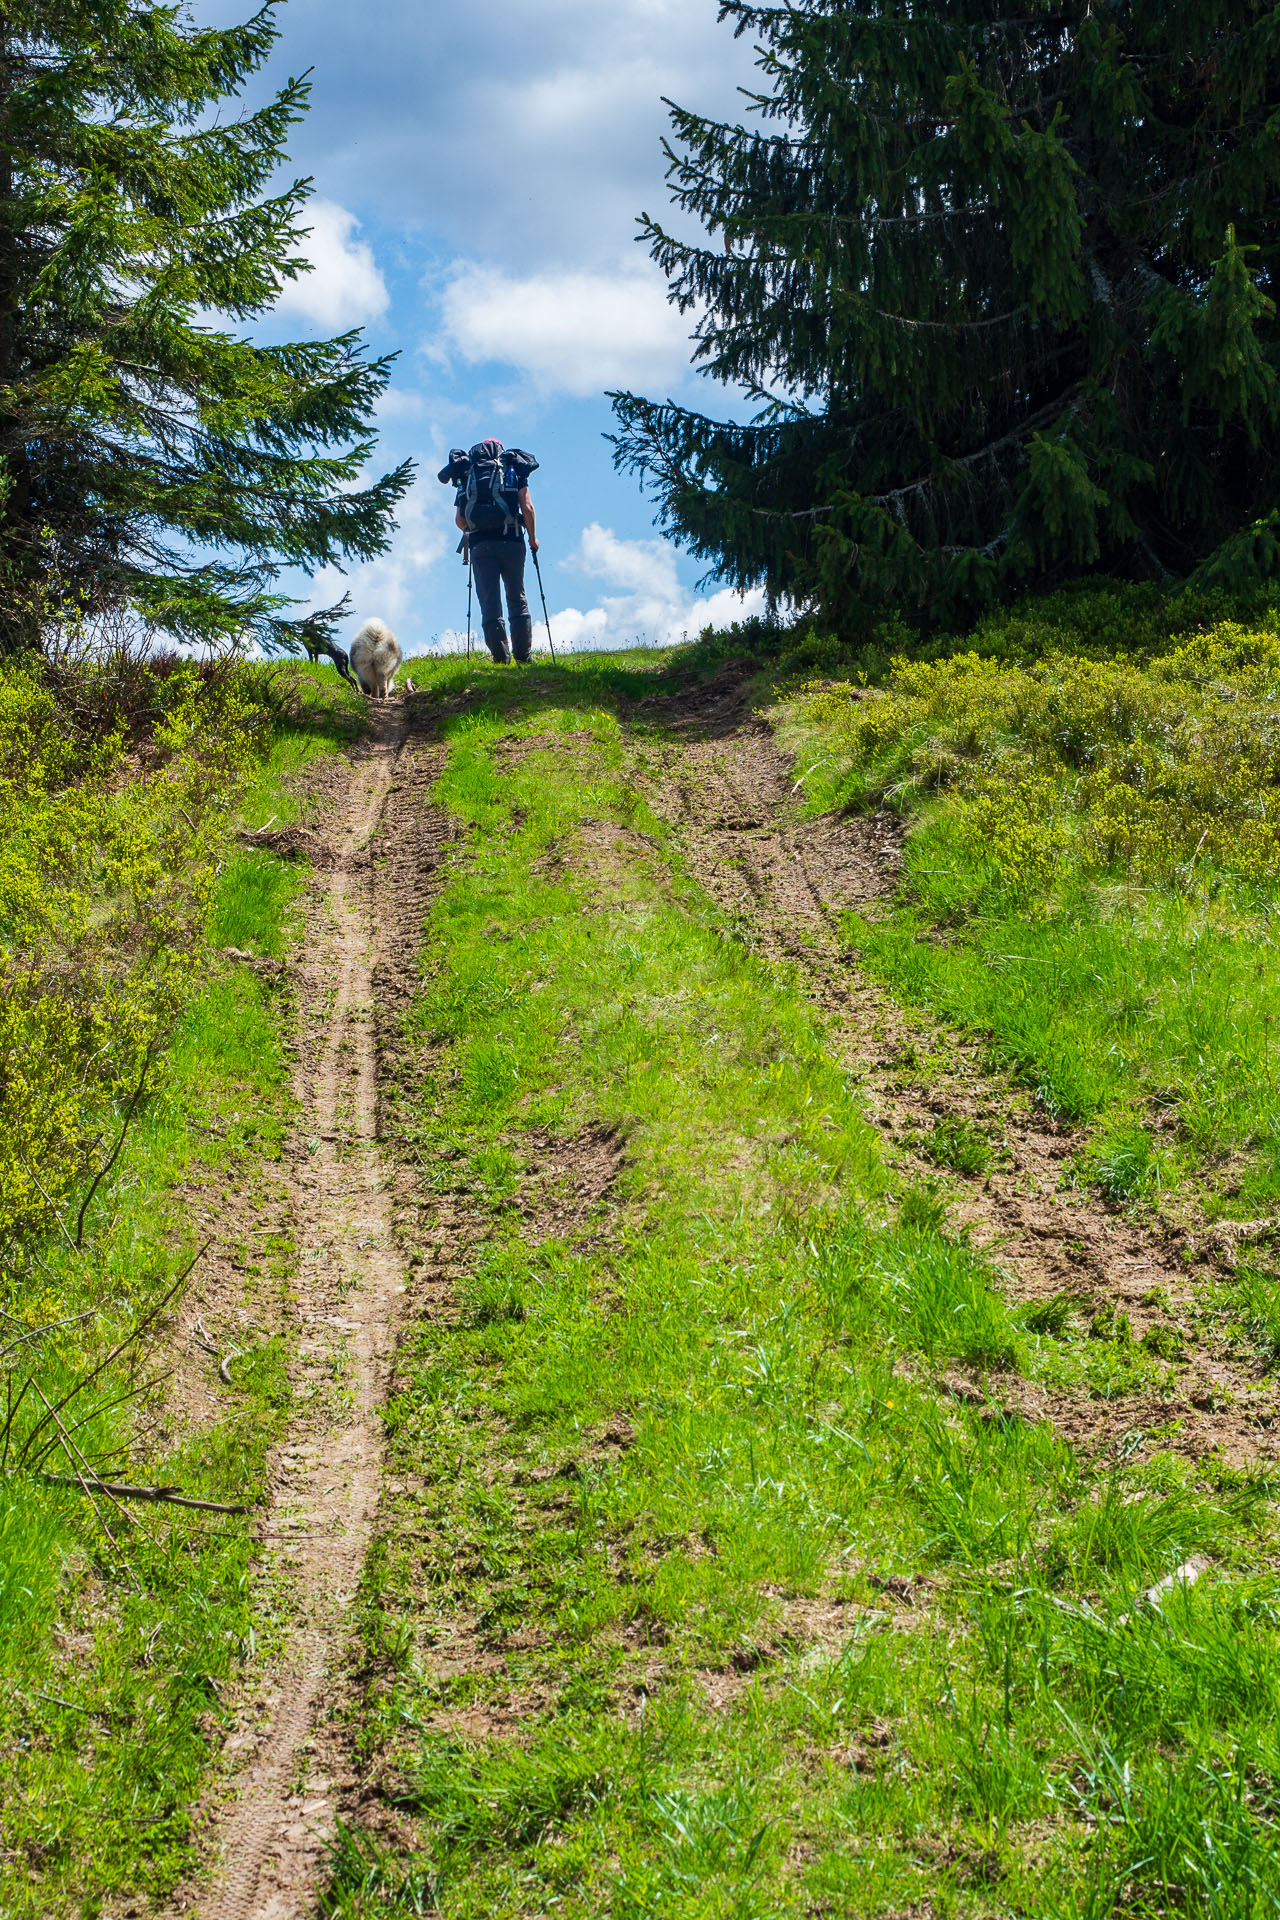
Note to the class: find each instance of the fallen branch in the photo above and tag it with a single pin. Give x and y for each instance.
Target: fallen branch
(80, 1480)
(169, 1496)
(45, 1195)
(37, 1459)
(34, 1333)
(90, 1713)
(56, 1700)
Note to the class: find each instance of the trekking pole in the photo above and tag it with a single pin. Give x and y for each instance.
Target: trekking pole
(538, 570)
(468, 599)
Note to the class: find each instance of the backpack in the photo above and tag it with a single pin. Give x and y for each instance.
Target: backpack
(489, 479)
(486, 505)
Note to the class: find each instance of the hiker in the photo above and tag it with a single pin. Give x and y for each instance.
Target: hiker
(494, 511)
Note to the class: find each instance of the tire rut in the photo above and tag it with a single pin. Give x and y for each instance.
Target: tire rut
(370, 894)
(785, 879)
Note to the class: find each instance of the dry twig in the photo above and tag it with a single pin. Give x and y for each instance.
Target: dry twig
(119, 1490)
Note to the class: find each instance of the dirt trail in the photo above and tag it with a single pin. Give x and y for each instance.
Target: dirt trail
(284, 1788)
(786, 879)
(380, 858)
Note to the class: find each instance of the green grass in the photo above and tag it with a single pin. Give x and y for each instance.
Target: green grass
(1151, 1006)
(958, 1144)
(1090, 883)
(122, 1635)
(634, 1640)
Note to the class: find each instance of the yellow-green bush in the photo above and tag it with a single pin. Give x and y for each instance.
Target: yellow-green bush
(1159, 770)
(107, 855)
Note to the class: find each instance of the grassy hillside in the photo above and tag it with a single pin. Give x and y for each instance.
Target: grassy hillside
(759, 1537)
(704, 1587)
(1091, 865)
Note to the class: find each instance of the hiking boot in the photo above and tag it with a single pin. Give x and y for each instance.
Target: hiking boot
(495, 638)
(522, 638)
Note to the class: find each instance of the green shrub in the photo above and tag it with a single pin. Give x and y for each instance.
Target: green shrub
(1072, 762)
(107, 859)
(813, 652)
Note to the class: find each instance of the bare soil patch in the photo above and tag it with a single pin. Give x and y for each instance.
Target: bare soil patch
(567, 1179)
(712, 708)
(784, 879)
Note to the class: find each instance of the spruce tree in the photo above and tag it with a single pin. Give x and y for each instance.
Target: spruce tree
(1001, 283)
(151, 458)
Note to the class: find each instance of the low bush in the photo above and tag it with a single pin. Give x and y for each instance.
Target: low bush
(108, 844)
(1068, 761)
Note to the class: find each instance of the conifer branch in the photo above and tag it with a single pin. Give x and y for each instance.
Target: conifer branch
(131, 433)
(996, 261)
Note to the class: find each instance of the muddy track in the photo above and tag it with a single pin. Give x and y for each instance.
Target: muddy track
(379, 848)
(785, 881)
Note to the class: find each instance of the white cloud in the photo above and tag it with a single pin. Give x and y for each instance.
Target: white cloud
(344, 288)
(538, 139)
(398, 404)
(574, 333)
(529, 229)
(652, 609)
(645, 566)
(391, 586)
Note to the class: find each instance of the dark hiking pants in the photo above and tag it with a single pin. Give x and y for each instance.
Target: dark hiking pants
(498, 564)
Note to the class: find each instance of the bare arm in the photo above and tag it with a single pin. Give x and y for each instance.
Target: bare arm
(459, 521)
(526, 514)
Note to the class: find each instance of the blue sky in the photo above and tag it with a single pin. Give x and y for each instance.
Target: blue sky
(478, 174)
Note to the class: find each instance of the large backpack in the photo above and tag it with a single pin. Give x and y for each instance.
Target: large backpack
(489, 479)
(486, 506)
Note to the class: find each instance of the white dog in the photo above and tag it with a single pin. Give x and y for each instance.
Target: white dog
(375, 658)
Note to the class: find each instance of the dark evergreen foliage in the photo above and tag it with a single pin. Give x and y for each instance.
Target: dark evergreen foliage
(149, 457)
(1002, 279)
